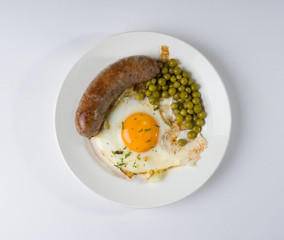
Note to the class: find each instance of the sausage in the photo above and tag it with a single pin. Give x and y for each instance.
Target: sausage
(107, 86)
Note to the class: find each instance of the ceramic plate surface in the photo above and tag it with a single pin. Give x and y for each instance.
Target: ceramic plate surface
(89, 166)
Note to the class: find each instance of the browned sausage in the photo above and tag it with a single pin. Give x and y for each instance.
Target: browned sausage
(107, 86)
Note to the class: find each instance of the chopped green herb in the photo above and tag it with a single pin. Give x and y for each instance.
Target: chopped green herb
(124, 148)
(170, 121)
(157, 125)
(156, 108)
(127, 154)
(148, 140)
(151, 147)
(120, 164)
(141, 130)
(122, 125)
(149, 129)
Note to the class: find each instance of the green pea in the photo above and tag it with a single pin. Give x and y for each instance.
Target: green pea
(158, 75)
(176, 111)
(173, 79)
(188, 105)
(188, 90)
(188, 124)
(165, 88)
(180, 106)
(156, 94)
(152, 101)
(179, 77)
(191, 135)
(162, 81)
(152, 88)
(190, 81)
(202, 115)
(167, 76)
(200, 122)
(195, 117)
(176, 84)
(148, 83)
(185, 74)
(196, 94)
(190, 111)
(159, 87)
(153, 81)
(179, 118)
(194, 87)
(177, 70)
(165, 94)
(188, 118)
(172, 91)
(181, 88)
(197, 109)
(196, 129)
(140, 96)
(183, 95)
(148, 93)
(195, 100)
(164, 70)
(183, 81)
(188, 99)
(174, 106)
(183, 112)
(181, 100)
(181, 142)
(185, 105)
(171, 70)
(172, 62)
(160, 64)
(176, 96)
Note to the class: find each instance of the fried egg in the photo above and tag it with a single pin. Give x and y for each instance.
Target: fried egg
(137, 139)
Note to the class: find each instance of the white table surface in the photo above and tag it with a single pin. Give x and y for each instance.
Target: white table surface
(39, 43)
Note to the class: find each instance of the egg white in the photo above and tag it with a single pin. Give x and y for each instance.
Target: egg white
(164, 155)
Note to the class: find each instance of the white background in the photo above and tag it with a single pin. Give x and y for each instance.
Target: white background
(41, 40)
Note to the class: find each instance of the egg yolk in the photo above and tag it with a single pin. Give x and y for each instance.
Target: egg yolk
(140, 132)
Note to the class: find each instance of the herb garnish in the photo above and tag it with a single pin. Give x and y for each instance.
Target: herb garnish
(127, 154)
(122, 125)
(121, 163)
(149, 129)
(157, 125)
(156, 108)
(117, 152)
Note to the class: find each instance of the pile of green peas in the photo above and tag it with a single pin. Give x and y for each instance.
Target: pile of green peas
(187, 105)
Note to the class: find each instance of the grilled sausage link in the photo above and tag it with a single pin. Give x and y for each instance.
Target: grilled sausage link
(107, 86)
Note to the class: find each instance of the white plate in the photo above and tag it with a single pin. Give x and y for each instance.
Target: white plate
(178, 182)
